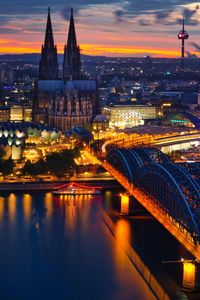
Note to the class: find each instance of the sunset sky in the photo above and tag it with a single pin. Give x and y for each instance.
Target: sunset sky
(112, 28)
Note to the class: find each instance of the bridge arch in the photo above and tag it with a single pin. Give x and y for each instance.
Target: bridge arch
(126, 161)
(176, 192)
(152, 155)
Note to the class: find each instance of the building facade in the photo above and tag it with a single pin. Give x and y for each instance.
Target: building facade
(123, 116)
(68, 101)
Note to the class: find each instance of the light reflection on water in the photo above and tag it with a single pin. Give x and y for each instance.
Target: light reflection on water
(35, 234)
(55, 247)
(27, 206)
(2, 203)
(12, 207)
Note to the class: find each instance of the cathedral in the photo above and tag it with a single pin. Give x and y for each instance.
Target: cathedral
(67, 100)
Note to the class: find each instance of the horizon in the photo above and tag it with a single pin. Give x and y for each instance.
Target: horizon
(93, 55)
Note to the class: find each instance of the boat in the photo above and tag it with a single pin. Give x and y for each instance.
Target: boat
(76, 189)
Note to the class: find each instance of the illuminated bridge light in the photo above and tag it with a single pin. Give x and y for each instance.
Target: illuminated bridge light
(125, 204)
(191, 275)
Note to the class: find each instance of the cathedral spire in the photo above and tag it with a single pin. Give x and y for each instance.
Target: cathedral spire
(72, 61)
(72, 43)
(49, 41)
(48, 69)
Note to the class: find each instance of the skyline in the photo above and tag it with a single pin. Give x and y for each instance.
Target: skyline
(120, 28)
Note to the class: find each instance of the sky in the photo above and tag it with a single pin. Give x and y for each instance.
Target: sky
(112, 28)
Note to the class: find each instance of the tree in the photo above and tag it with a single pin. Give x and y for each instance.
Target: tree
(34, 169)
(29, 169)
(2, 153)
(77, 151)
(61, 163)
(6, 166)
(41, 166)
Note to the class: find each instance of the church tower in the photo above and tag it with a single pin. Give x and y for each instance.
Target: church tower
(48, 68)
(72, 59)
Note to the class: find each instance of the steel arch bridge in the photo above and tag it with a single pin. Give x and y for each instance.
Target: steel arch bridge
(174, 189)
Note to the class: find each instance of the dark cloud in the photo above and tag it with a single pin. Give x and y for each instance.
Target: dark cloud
(65, 12)
(161, 11)
(144, 23)
(124, 10)
(129, 7)
(118, 14)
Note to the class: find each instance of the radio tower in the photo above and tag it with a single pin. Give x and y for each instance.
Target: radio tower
(183, 35)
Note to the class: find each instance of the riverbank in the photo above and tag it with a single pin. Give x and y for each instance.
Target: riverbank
(50, 186)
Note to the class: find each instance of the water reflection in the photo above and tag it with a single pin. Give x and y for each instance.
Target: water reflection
(108, 198)
(58, 249)
(123, 231)
(2, 204)
(12, 199)
(27, 206)
(48, 201)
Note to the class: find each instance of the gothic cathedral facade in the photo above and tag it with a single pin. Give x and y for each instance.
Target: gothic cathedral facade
(70, 100)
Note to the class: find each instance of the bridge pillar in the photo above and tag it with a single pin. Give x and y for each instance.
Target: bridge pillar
(125, 204)
(191, 275)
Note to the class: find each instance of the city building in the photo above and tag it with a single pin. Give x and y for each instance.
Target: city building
(4, 113)
(68, 101)
(127, 115)
(20, 113)
(100, 122)
(48, 68)
(14, 136)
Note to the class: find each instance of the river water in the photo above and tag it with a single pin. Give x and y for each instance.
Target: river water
(58, 247)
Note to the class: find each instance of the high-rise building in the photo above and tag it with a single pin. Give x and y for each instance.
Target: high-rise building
(72, 60)
(70, 101)
(48, 68)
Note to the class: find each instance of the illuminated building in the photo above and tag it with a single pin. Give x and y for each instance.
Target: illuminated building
(70, 101)
(15, 135)
(20, 113)
(182, 119)
(123, 115)
(4, 113)
(27, 114)
(16, 113)
(32, 154)
(100, 122)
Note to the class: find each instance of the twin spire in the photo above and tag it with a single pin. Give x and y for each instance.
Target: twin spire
(49, 41)
(48, 69)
